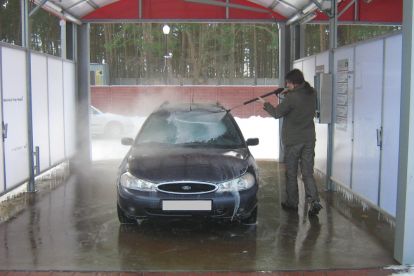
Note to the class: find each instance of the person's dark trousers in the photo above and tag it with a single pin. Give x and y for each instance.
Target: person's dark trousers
(303, 155)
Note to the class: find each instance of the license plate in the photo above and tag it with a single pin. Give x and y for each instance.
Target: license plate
(186, 205)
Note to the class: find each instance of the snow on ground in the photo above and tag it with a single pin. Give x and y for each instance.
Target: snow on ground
(267, 130)
(402, 270)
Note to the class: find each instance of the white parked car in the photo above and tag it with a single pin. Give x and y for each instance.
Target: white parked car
(111, 125)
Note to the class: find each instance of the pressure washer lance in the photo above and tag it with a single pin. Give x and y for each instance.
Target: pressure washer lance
(276, 92)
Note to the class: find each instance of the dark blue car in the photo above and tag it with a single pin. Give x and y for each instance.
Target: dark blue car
(188, 160)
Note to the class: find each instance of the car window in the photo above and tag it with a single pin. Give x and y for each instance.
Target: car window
(192, 128)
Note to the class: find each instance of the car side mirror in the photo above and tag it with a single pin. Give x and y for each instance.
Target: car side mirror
(127, 141)
(252, 141)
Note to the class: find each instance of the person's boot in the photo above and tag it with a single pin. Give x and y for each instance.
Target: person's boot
(314, 209)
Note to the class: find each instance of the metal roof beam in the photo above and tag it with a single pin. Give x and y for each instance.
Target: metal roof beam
(346, 8)
(289, 5)
(321, 8)
(32, 12)
(72, 18)
(222, 4)
(356, 11)
(307, 13)
(92, 4)
(274, 4)
(58, 10)
(317, 4)
(89, 2)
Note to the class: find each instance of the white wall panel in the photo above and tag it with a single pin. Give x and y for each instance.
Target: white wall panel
(1, 140)
(323, 59)
(342, 144)
(56, 116)
(70, 108)
(309, 69)
(367, 119)
(40, 109)
(391, 123)
(297, 65)
(321, 147)
(15, 115)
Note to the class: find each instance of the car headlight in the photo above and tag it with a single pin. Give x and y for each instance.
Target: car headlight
(131, 182)
(244, 182)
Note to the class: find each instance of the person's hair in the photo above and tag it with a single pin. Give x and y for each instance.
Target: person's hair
(295, 76)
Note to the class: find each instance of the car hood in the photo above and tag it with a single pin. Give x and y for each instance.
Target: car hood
(187, 164)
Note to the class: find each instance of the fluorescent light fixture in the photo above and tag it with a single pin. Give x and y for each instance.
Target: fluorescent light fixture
(309, 8)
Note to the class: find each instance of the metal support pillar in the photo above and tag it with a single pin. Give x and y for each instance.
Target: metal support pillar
(333, 43)
(62, 38)
(302, 28)
(70, 44)
(285, 64)
(26, 44)
(295, 42)
(284, 52)
(83, 95)
(404, 235)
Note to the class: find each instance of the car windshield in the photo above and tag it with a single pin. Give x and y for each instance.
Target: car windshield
(191, 128)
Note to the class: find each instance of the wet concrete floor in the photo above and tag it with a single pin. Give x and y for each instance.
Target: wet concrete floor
(74, 227)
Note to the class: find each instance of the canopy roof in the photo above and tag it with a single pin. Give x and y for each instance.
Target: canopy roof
(290, 11)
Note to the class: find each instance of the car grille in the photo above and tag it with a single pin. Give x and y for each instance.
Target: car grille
(187, 188)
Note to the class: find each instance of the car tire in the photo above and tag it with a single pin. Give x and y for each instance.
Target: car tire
(252, 218)
(113, 130)
(122, 217)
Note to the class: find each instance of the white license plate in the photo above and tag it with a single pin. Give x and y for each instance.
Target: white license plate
(186, 205)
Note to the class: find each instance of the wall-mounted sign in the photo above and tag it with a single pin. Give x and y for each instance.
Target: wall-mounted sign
(342, 94)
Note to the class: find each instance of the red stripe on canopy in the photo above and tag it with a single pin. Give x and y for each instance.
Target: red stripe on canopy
(180, 9)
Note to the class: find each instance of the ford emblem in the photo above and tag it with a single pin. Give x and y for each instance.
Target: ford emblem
(186, 187)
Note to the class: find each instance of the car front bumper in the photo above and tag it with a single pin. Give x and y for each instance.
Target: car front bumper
(226, 205)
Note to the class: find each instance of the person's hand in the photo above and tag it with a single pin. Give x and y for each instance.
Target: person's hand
(260, 99)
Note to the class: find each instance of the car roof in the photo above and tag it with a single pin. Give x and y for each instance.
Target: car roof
(185, 107)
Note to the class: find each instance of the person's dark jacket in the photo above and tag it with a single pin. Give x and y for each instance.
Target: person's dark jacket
(298, 110)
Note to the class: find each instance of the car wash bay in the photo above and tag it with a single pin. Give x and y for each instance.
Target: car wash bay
(71, 225)
(70, 222)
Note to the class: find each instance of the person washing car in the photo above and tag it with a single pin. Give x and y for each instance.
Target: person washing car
(298, 138)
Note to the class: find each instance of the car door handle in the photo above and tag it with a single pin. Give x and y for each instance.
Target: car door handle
(379, 137)
(4, 130)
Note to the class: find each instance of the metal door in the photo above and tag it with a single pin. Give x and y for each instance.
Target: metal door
(367, 119)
